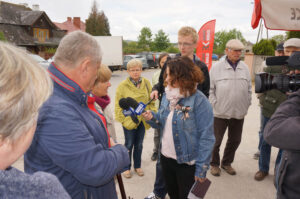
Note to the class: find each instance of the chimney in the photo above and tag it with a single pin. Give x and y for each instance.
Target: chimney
(69, 19)
(76, 21)
(35, 7)
(24, 4)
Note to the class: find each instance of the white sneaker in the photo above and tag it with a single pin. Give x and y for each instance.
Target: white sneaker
(152, 196)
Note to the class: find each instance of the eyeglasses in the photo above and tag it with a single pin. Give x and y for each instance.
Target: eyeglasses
(237, 51)
(185, 44)
(136, 70)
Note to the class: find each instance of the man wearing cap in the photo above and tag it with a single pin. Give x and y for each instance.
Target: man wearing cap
(291, 45)
(279, 51)
(268, 107)
(283, 131)
(230, 96)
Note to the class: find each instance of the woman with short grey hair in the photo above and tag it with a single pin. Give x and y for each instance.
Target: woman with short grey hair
(24, 87)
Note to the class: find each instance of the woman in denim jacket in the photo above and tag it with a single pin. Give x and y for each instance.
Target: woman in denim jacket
(185, 119)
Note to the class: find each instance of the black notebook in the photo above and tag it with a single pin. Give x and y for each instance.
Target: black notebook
(199, 189)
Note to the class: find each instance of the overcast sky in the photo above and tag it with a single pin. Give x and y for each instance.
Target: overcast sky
(128, 17)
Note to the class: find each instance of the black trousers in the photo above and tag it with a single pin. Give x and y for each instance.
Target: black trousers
(179, 178)
(235, 128)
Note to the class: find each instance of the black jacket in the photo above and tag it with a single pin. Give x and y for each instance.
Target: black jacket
(204, 87)
(283, 131)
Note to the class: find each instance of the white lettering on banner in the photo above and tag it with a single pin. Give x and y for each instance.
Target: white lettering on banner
(206, 44)
(207, 58)
(208, 35)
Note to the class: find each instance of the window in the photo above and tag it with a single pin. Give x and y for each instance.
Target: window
(41, 34)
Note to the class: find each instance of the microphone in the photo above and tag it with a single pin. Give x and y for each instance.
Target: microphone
(128, 110)
(132, 102)
(139, 108)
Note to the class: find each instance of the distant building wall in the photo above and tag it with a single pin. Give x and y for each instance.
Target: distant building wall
(254, 63)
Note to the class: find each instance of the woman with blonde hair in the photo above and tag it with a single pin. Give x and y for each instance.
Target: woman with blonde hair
(138, 88)
(102, 100)
(24, 87)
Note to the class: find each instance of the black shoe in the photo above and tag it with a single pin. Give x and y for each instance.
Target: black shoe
(154, 156)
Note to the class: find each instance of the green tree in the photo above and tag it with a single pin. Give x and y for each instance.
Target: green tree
(222, 37)
(292, 34)
(278, 38)
(97, 23)
(124, 43)
(131, 48)
(172, 49)
(106, 25)
(161, 41)
(145, 39)
(2, 36)
(264, 47)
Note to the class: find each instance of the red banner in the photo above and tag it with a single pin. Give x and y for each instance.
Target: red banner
(206, 42)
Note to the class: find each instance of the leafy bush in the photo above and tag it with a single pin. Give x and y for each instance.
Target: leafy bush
(2, 37)
(293, 34)
(264, 47)
(50, 50)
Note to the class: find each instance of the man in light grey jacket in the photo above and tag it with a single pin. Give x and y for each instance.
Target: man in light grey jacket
(230, 96)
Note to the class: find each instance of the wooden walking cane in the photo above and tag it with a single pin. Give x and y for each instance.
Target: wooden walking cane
(121, 186)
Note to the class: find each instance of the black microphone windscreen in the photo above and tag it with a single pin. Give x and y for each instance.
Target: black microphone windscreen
(132, 102)
(277, 60)
(124, 104)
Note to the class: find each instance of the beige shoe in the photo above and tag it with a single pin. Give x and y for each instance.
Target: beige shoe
(127, 174)
(215, 171)
(229, 169)
(139, 171)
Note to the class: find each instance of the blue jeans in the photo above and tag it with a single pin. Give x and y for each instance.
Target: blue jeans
(261, 130)
(134, 140)
(159, 185)
(265, 150)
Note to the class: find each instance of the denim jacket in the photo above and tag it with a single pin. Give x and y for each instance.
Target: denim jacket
(193, 135)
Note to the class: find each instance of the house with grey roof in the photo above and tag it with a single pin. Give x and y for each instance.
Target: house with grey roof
(29, 28)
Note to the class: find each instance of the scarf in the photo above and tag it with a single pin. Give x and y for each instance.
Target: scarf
(91, 105)
(102, 101)
(136, 83)
(173, 96)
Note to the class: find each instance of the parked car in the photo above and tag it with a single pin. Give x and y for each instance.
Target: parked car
(215, 57)
(150, 57)
(127, 58)
(156, 55)
(40, 60)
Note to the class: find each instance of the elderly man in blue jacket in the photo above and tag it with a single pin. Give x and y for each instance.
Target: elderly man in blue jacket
(71, 140)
